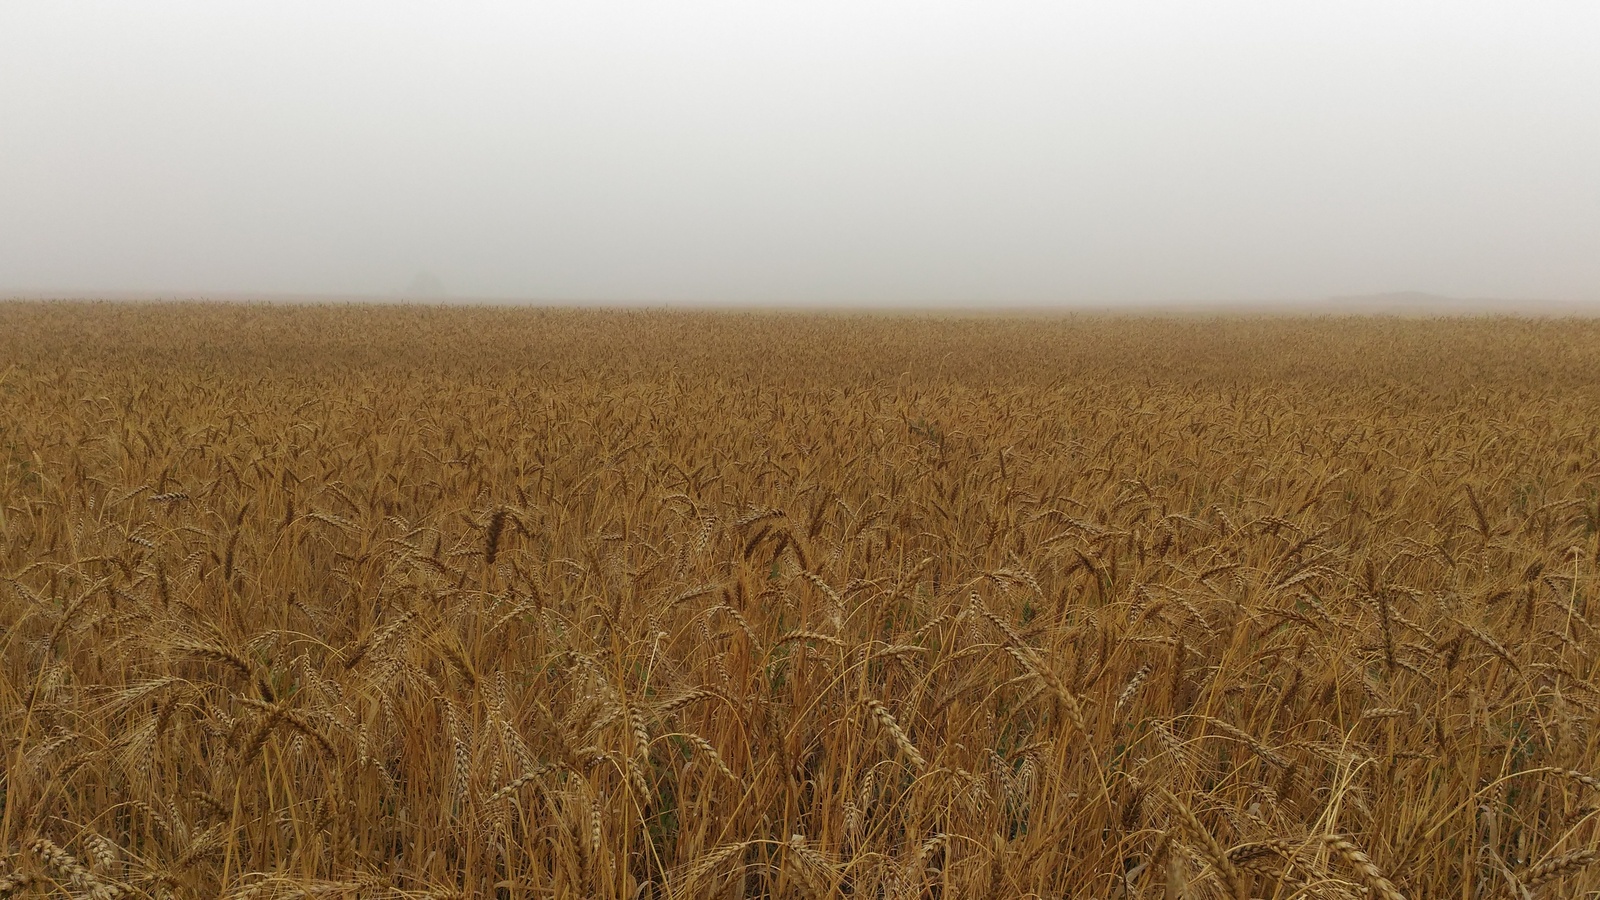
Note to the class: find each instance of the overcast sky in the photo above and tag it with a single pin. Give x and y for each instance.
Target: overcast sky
(856, 152)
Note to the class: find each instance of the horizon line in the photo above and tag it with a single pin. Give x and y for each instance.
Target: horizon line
(1384, 303)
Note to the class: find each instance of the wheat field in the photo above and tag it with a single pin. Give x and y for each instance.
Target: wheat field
(404, 602)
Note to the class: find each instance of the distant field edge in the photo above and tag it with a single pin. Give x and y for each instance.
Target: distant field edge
(1402, 305)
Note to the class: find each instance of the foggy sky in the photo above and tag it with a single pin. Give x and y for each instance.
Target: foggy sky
(763, 152)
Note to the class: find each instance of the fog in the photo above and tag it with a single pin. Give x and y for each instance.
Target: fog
(981, 154)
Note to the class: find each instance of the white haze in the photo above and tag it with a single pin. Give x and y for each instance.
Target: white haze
(843, 153)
